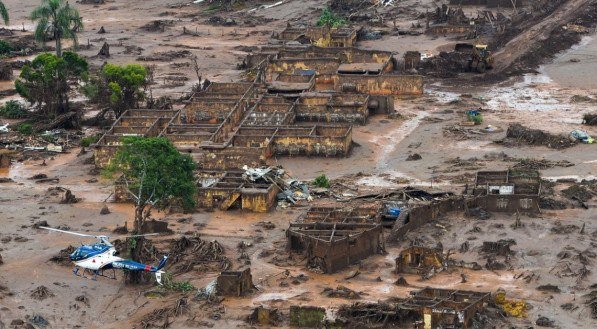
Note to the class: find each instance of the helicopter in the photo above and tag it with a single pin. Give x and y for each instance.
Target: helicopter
(101, 256)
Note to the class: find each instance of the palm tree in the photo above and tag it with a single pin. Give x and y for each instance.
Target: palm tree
(3, 13)
(58, 19)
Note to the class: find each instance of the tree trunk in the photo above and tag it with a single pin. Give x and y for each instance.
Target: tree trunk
(136, 252)
(58, 43)
(136, 277)
(138, 224)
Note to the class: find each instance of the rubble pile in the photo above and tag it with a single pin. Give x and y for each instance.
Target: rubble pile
(591, 301)
(161, 318)
(41, 293)
(364, 314)
(47, 143)
(340, 292)
(590, 119)
(444, 65)
(523, 135)
(292, 190)
(62, 258)
(193, 253)
(157, 25)
(540, 164)
(579, 192)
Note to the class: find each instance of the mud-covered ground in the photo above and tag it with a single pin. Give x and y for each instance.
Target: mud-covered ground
(544, 100)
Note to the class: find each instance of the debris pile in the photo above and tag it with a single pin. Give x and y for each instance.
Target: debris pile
(515, 308)
(193, 253)
(579, 192)
(291, 190)
(591, 301)
(157, 25)
(523, 135)
(574, 263)
(543, 321)
(63, 256)
(165, 56)
(461, 133)
(160, 318)
(375, 313)
(41, 293)
(590, 119)
(340, 292)
(540, 164)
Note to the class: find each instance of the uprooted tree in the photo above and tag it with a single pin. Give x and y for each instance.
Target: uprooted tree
(118, 88)
(47, 81)
(155, 176)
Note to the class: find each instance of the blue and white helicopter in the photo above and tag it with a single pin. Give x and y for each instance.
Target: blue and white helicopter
(101, 256)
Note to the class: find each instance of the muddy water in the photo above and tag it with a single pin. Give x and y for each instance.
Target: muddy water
(576, 67)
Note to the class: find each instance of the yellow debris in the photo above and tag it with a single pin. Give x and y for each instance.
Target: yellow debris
(516, 308)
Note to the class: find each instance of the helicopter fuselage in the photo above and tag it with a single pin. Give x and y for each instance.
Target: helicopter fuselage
(95, 256)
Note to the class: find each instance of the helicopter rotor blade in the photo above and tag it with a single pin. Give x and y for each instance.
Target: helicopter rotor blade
(136, 235)
(68, 232)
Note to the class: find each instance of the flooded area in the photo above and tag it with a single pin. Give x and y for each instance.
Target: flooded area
(342, 170)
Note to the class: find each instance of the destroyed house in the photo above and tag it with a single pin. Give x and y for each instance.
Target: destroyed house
(235, 283)
(229, 125)
(444, 308)
(419, 260)
(331, 214)
(347, 70)
(232, 190)
(508, 191)
(322, 36)
(332, 246)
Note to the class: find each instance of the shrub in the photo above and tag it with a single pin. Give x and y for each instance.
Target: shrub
(331, 19)
(180, 286)
(13, 110)
(321, 181)
(5, 47)
(477, 119)
(118, 87)
(25, 129)
(87, 141)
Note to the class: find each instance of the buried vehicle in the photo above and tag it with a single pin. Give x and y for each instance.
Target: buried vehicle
(581, 136)
(480, 59)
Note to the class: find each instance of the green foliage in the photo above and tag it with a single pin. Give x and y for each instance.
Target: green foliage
(48, 80)
(155, 171)
(119, 87)
(25, 128)
(133, 243)
(13, 110)
(87, 141)
(4, 13)
(321, 181)
(477, 119)
(5, 47)
(56, 19)
(179, 286)
(331, 19)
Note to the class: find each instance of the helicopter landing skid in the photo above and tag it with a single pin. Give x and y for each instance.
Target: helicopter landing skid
(93, 274)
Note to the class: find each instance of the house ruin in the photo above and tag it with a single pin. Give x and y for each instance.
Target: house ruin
(445, 308)
(334, 238)
(303, 101)
(509, 191)
(235, 283)
(419, 260)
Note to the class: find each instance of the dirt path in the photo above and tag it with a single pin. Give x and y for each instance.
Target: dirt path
(520, 45)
